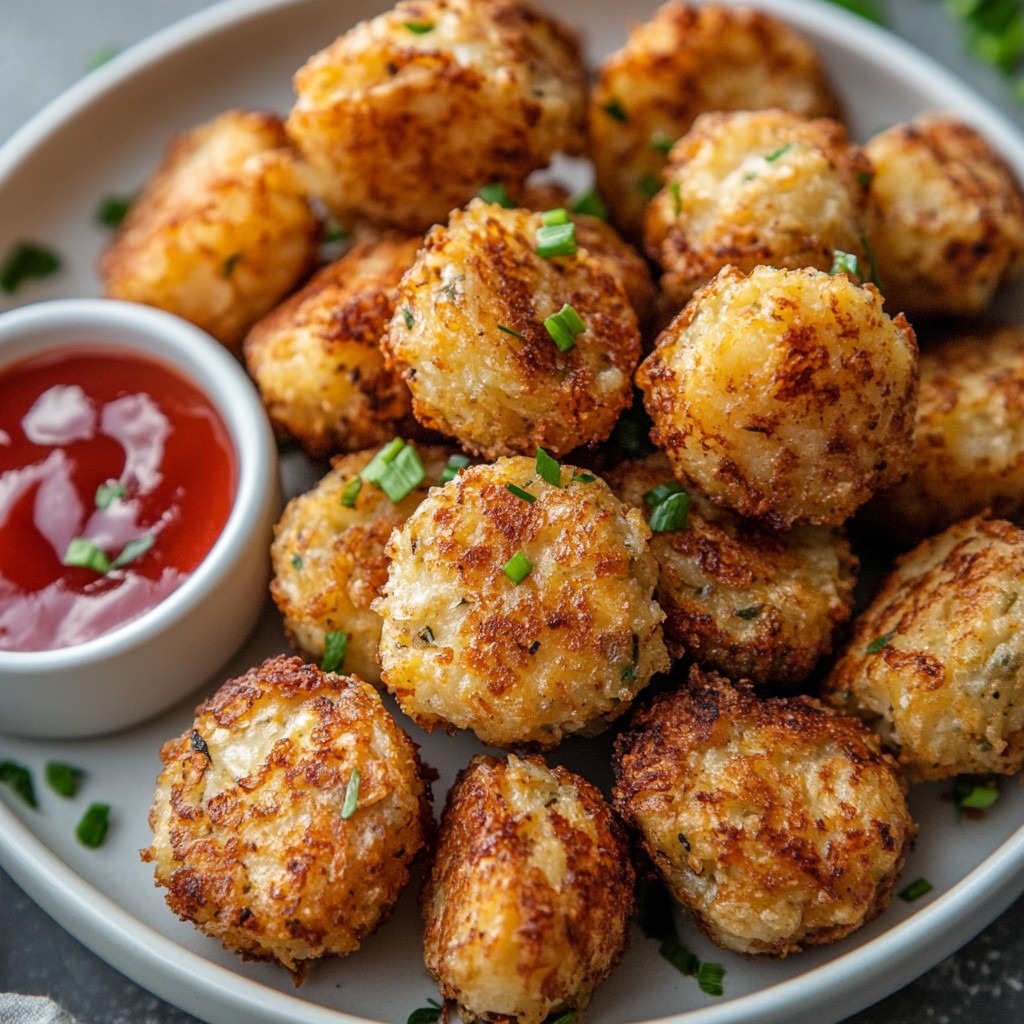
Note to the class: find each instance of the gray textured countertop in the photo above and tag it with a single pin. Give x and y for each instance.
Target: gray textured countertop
(45, 46)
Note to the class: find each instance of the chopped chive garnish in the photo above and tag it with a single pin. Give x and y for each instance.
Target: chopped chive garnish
(879, 642)
(419, 28)
(451, 470)
(335, 648)
(662, 143)
(614, 109)
(350, 492)
(556, 240)
(497, 193)
(19, 778)
(112, 210)
(564, 326)
(510, 330)
(24, 262)
(519, 492)
(548, 468)
(583, 478)
(407, 317)
(781, 151)
(92, 829)
(649, 186)
(83, 554)
(709, 977)
(681, 957)
(559, 215)
(396, 469)
(677, 202)
(918, 888)
(656, 495)
(972, 794)
(591, 204)
(108, 493)
(873, 275)
(348, 808)
(846, 263)
(426, 1014)
(297, 562)
(133, 550)
(63, 778)
(333, 232)
(569, 1017)
(517, 568)
(227, 268)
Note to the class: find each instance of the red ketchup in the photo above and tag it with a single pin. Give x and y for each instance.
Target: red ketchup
(116, 478)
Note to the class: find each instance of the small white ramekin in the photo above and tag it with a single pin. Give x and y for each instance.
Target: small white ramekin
(146, 665)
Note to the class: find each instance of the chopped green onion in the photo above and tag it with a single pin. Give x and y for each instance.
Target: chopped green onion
(108, 493)
(564, 326)
(591, 204)
(517, 568)
(419, 28)
(133, 550)
(510, 330)
(297, 562)
(519, 492)
(569, 1017)
(556, 240)
(83, 554)
(583, 478)
(672, 513)
(92, 829)
(348, 808)
(677, 202)
(649, 186)
(350, 492)
(662, 143)
(656, 495)
(497, 193)
(614, 109)
(683, 959)
(879, 642)
(874, 276)
(970, 794)
(25, 261)
(396, 469)
(781, 151)
(426, 1014)
(559, 215)
(112, 210)
(227, 268)
(335, 648)
(407, 317)
(918, 888)
(846, 263)
(63, 778)
(451, 470)
(548, 468)
(19, 778)
(709, 977)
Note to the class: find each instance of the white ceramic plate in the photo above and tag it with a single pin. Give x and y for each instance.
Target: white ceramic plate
(103, 137)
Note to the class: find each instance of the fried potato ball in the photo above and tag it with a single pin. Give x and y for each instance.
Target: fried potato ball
(785, 395)
(285, 819)
(947, 226)
(222, 231)
(936, 662)
(686, 60)
(530, 895)
(317, 360)
(523, 620)
(738, 596)
(969, 437)
(405, 116)
(753, 187)
(328, 559)
(779, 823)
(472, 336)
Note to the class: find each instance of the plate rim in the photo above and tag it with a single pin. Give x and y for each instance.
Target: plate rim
(198, 985)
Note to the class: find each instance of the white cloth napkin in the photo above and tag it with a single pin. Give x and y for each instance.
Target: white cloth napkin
(16, 1009)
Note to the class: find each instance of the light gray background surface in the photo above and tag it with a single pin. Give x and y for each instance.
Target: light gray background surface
(45, 46)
